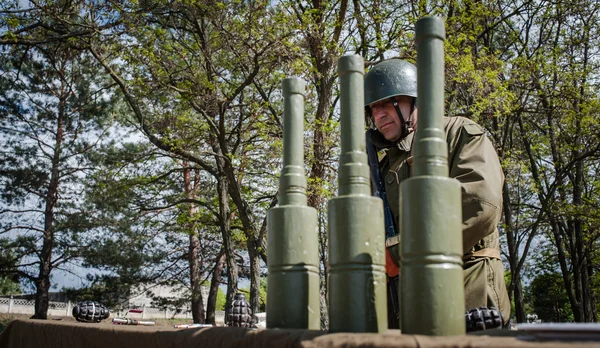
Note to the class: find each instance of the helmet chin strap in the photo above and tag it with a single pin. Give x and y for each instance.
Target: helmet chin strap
(407, 126)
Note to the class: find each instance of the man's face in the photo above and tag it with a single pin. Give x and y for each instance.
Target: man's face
(386, 118)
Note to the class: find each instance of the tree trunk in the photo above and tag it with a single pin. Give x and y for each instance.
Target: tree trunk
(232, 268)
(592, 299)
(562, 260)
(321, 146)
(585, 267)
(249, 227)
(518, 298)
(194, 251)
(43, 280)
(515, 290)
(41, 294)
(196, 280)
(323, 269)
(254, 276)
(581, 265)
(211, 302)
(225, 217)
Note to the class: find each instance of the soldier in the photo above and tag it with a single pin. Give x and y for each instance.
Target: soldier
(391, 106)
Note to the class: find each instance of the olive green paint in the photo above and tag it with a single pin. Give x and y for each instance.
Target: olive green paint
(293, 280)
(357, 281)
(431, 282)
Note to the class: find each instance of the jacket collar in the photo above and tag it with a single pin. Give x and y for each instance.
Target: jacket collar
(406, 143)
(381, 143)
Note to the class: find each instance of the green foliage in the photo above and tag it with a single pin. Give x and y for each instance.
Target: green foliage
(146, 231)
(111, 291)
(548, 297)
(262, 292)
(55, 106)
(202, 86)
(9, 286)
(174, 304)
(10, 258)
(221, 300)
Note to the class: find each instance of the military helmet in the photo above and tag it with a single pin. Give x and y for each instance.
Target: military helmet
(390, 78)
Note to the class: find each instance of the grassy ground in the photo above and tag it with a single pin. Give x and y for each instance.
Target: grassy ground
(5, 319)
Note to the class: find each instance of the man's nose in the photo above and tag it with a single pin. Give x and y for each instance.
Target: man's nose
(377, 112)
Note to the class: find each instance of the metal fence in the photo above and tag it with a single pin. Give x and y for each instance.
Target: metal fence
(20, 306)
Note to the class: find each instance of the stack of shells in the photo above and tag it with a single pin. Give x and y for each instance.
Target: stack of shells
(240, 314)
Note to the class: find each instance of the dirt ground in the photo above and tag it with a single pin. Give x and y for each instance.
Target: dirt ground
(5, 319)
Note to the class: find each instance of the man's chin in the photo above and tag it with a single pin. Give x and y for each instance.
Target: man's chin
(391, 137)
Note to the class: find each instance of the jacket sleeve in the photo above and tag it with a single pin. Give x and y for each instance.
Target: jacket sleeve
(474, 163)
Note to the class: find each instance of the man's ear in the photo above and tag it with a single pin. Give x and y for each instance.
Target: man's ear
(369, 118)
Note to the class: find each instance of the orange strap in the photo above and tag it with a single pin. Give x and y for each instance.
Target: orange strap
(390, 266)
